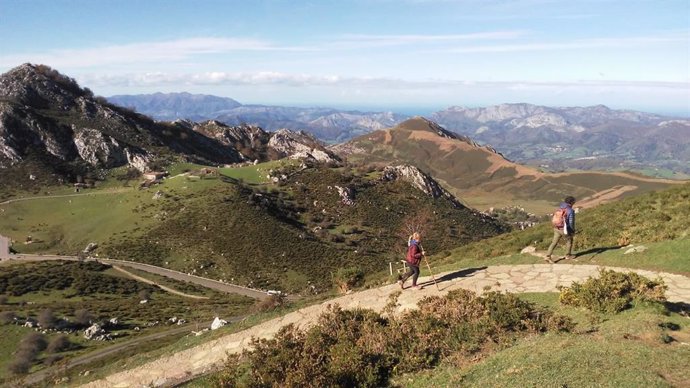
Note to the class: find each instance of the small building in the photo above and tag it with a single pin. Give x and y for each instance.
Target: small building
(154, 175)
(4, 247)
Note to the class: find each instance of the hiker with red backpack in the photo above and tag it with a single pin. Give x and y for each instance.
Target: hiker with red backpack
(414, 256)
(563, 222)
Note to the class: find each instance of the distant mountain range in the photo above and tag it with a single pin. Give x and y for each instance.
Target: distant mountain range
(553, 138)
(593, 137)
(327, 124)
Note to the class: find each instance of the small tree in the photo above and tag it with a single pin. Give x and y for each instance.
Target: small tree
(21, 363)
(58, 344)
(47, 319)
(348, 278)
(144, 294)
(33, 343)
(82, 317)
(6, 317)
(419, 222)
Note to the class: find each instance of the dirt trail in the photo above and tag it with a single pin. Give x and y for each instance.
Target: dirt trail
(162, 287)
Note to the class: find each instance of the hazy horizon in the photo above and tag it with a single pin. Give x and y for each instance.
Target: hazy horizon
(410, 110)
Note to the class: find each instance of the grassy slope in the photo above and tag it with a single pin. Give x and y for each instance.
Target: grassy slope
(653, 217)
(464, 171)
(241, 229)
(623, 350)
(576, 359)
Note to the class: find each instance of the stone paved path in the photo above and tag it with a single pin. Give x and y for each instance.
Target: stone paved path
(513, 278)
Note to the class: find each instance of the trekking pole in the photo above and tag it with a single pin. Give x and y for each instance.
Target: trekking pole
(429, 267)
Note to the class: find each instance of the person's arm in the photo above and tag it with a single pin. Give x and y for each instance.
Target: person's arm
(571, 220)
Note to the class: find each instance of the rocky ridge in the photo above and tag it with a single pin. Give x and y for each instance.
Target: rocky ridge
(47, 114)
(594, 137)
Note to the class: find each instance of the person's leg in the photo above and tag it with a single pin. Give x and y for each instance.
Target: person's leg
(406, 275)
(556, 237)
(415, 269)
(569, 245)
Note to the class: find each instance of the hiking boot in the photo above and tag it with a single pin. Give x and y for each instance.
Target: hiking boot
(548, 259)
(400, 283)
(416, 288)
(570, 257)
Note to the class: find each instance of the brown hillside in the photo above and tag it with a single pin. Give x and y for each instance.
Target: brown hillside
(482, 176)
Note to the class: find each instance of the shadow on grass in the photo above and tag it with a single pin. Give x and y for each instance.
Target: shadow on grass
(681, 308)
(596, 251)
(453, 275)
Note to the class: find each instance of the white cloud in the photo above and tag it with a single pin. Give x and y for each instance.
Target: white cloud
(144, 52)
(308, 80)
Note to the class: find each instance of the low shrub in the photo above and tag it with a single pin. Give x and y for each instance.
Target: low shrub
(59, 344)
(269, 304)
(612, 291)
(346, 279)
(21, 364)
(33, 342)
(362, 348)
(7, 317)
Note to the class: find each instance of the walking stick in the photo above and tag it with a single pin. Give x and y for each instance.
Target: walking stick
(429, 267)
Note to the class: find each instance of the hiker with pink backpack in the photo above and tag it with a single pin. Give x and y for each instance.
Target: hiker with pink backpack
(563, 222)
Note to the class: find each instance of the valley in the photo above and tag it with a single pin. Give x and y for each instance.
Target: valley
(159, 228)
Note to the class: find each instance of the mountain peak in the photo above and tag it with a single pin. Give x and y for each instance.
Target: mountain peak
(31, 84)
(420, 123)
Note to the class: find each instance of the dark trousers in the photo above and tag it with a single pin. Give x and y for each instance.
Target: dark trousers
(413, 271)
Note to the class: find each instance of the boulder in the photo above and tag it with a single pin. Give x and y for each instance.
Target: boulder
(528, 249)
(218, 323)
(96, 332)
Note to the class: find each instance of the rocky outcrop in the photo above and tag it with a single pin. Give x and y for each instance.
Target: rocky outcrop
(419, 180)
(347, 195)
(96, 333)
(45, 113)
(300, 145)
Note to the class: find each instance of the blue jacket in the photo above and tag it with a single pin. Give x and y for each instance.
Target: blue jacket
(569, 217)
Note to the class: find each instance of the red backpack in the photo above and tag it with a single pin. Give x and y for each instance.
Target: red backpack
(558, 219)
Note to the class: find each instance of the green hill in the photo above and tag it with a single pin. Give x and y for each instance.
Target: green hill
(291, 235)
(481, 176)
(652, 217)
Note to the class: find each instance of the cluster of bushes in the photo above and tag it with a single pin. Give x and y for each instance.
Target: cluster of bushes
(362, 348)
(612, 291)
(32, 345)
(83, 277)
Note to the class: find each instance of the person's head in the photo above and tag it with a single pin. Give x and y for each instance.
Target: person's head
(416, 236)
(569, 200)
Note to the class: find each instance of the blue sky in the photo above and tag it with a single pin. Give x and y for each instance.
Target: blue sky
(383, 54)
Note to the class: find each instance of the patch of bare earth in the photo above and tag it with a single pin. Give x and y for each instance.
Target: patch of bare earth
(496, 160)
(605, 196)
